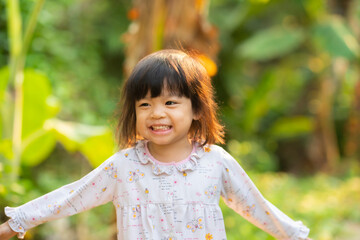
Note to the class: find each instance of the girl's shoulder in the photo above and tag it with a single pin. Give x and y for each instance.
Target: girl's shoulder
(219, 154)
(214, 149)
(215, 154)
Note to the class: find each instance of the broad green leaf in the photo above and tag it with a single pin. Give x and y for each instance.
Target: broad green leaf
(38, 107)
(72, 135)
(36, 111)
(291, 127)
(53, 106)
(6, 148)
(334, 37)
(271, 43)
(37, 146)
(96, 143)
(98, 148)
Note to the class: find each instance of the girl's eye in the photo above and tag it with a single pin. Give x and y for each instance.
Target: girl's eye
(170, 103)
(144, 105)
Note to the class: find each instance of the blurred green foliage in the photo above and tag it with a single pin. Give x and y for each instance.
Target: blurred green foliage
(287, 74)
(274, 56)
(32, 119)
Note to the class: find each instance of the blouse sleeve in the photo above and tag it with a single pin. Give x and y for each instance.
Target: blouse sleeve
(96, 188)
(240, 194)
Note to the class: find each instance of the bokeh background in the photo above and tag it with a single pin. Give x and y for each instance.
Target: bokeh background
(286, 74)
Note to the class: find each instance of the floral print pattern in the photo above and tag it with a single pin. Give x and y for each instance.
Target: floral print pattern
(195, 224)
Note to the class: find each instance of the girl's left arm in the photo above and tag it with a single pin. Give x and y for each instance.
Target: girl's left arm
(92, 190)
(240, 193)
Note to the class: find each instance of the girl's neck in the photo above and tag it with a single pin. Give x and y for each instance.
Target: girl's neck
(170, 153)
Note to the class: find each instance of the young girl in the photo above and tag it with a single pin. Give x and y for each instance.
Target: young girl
(167, 184)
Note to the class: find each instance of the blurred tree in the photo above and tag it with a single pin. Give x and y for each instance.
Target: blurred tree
(324, 146)
(160, 24)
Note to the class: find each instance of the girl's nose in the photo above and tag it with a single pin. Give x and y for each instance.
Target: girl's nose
(158, 112)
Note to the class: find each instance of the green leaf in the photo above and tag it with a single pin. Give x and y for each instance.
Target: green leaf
(37, 147)
(96, 143)
(98, 148)
(72, 135)
(291, 127)
(38, 107)
(36, 110)
(271, 43)
(334, 37)
(6, 148)
(257, 104)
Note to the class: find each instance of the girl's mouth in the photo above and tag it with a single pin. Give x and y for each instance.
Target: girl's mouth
(160, 128)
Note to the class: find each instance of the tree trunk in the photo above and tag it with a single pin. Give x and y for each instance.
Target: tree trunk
(352, 145)
(323, 148)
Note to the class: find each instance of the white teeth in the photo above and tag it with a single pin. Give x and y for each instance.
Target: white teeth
(160, 127)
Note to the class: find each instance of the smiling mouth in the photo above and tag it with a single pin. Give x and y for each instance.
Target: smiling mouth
(163, 128)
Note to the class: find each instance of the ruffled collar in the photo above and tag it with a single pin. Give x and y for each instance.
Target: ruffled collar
(158, 168)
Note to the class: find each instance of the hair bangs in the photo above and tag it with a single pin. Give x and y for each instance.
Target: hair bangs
(166, 75)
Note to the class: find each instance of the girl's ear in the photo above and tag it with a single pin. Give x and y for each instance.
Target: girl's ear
(196, 116)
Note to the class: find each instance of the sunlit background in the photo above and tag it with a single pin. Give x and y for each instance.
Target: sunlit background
(286, 74)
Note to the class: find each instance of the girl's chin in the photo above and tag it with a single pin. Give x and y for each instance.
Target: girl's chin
(158, 141)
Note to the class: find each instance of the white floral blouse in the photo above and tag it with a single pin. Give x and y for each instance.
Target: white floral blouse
(158, 201)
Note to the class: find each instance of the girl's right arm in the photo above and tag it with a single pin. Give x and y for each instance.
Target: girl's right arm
(95, 189)
(6, 232)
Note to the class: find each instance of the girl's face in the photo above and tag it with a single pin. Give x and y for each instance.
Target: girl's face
(164, 120)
